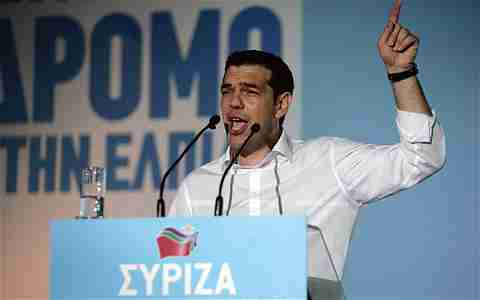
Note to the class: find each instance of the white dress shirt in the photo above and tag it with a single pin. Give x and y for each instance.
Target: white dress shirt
(327, 179)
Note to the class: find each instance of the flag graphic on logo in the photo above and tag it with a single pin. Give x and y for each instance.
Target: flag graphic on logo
(173, 242)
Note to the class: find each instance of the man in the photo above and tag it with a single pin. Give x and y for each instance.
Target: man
(327, 179)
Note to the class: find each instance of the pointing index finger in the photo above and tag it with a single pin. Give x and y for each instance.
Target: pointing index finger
(395, 11)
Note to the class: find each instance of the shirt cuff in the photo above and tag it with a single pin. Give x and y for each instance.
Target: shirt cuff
(416, 127)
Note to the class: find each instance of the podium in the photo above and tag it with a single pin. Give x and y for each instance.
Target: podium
(178, 258)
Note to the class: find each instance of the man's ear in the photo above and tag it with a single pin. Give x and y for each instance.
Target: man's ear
(282, 104)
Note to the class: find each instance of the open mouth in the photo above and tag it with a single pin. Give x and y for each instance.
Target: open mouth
(238, 125)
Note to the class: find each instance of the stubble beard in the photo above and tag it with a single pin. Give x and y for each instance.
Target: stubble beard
(258, 141)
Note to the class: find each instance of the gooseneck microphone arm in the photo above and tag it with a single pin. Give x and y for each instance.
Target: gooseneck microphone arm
(219, 200)
(212, 123)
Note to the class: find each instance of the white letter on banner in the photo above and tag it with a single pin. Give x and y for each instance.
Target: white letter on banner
(187, 276)
(167, 278)
(125, 289)
(199, 288)
(149, 277)
(225, 281)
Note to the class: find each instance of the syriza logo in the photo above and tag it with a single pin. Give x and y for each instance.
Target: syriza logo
(176, 276)
(173, 242)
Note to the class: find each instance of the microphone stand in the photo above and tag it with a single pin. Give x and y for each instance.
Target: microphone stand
(212, 123)
(219, 200)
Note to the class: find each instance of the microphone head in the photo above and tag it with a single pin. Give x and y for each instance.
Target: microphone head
(255, 128)
(212, 123)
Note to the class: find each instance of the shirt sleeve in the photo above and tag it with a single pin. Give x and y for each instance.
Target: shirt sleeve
(368, 172)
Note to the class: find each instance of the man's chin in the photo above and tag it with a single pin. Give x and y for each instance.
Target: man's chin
(237, 140)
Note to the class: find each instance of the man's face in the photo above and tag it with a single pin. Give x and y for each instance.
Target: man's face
(248, 99)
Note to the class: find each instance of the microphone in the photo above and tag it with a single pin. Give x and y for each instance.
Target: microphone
(212, 124)
(219, 200)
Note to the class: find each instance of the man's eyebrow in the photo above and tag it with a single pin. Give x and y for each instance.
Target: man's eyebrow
(225, 85)
(244, 84)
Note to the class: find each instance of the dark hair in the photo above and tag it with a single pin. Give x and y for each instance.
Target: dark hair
(281, 80)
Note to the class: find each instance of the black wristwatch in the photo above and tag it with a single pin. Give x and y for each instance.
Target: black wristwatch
(395, 77)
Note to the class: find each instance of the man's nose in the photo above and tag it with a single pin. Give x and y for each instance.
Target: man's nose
(237, 101)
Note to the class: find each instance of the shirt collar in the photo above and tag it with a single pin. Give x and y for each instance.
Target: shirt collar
(283, 147)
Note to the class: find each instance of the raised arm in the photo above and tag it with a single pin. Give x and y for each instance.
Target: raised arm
(398, 47)
(370, 172)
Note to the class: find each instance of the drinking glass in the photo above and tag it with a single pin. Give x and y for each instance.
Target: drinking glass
(92, 192)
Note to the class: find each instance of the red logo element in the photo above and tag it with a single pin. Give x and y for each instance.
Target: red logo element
(173, 242)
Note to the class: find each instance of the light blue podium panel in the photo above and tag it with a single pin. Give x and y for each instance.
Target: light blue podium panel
(222, 257)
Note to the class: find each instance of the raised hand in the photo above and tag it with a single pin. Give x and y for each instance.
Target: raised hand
(397, 46)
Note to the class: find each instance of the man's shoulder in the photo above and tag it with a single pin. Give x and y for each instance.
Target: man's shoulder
(320, 149)
(327, 142)
(312, 145)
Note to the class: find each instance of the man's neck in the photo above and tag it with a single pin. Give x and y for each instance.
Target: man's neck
(256, 157)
